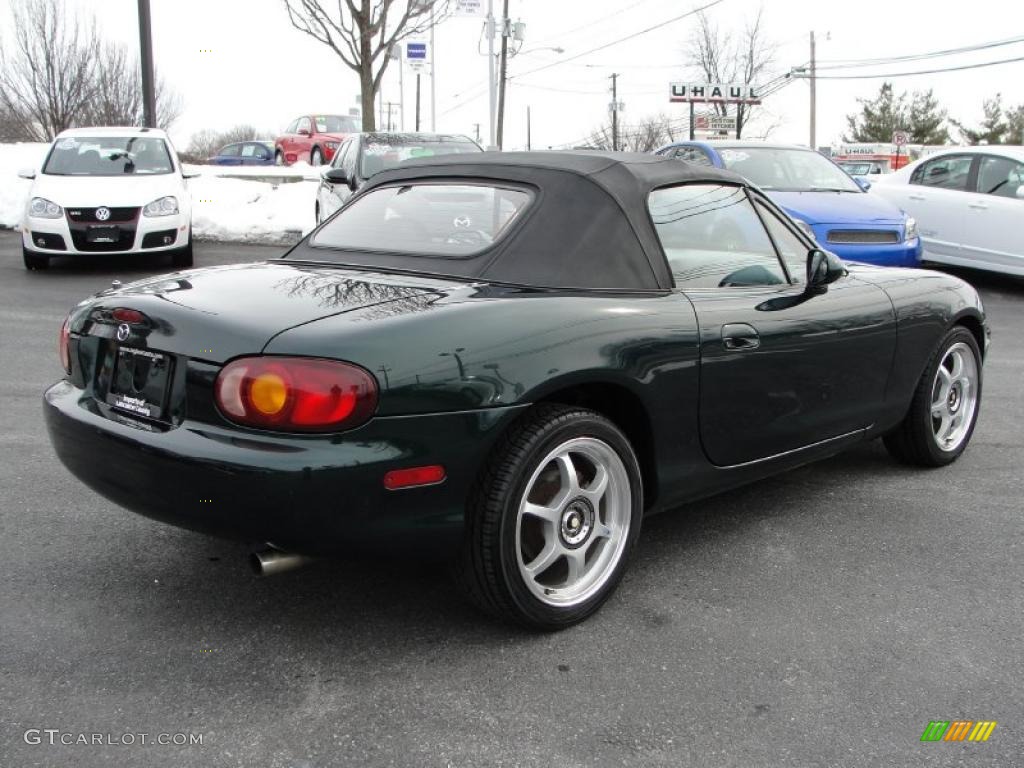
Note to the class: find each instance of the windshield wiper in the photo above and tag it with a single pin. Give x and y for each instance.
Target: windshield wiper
(831, 189)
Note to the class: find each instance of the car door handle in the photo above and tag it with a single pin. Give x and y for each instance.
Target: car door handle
(740, 337)
(978, 206)
(916, 197)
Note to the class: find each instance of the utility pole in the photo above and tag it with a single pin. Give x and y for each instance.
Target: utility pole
(529, 145)
(476, 128)
(391, 123)
(433, 71)
(814, 98)
(396, 53)
(615, 111)
(693, 123)
(146, 60)
(500, 137)
(492, 96)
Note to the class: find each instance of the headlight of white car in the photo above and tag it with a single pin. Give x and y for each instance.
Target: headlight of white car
(910, 228)
(165, 206)
(42, 208)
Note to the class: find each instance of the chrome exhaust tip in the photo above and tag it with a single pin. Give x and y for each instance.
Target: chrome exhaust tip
(270, 562)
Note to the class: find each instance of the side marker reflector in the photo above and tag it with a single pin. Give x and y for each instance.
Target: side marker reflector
(414, 476)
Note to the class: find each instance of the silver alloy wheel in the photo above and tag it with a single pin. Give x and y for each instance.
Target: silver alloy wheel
(573, 522)
(954, 397)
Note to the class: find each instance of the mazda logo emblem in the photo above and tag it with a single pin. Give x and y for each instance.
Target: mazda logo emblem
(102, 214)
(462, 222)
(123, 331)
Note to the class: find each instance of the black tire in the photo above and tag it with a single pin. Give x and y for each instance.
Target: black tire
(913, 441)
(182, 257)
(34, 261)
(279, 157)
(487, 569)
(316, 157)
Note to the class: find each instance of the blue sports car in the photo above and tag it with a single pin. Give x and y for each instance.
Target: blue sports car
(828, 204)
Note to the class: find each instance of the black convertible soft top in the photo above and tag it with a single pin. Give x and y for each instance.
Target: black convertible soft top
(588, 226)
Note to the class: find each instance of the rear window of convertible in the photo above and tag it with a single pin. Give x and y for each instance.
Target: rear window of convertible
(431, 220)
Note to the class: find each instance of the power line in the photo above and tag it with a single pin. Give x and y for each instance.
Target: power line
(850, 63)
(876, 76)
(560, 36)
(659, 25)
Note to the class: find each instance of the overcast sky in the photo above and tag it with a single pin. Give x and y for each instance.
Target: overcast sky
(260, 70)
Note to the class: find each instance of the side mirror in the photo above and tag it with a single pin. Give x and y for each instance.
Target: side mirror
(823, 268)
(336, 176)
(27, 173)
(862, 183)
(190, 174)
(305, 132)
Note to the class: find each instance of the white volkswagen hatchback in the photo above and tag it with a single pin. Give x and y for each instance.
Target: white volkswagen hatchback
(108, 190)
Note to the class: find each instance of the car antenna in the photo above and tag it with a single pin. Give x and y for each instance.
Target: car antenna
(115, 284)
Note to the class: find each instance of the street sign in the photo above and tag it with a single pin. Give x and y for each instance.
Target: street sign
(470, 8)
(416, 55)
(715, 123)
(900, 138)
(728, 93)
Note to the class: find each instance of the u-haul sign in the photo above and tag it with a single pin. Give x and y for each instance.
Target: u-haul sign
(732, 93)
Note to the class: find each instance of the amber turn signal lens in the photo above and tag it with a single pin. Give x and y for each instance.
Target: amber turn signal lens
(268, 393)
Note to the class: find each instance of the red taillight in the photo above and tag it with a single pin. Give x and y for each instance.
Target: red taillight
(414, 476)
(64, 345)
(123, 315)
(295, 394)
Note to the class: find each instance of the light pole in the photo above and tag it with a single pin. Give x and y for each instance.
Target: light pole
(146, 60)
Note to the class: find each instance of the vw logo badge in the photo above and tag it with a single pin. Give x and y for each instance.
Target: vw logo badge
(462, 222)
(102, 214)
(123, 331)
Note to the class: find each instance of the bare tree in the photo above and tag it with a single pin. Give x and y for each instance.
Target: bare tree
(727, 57)
(117, 93)
(362, 33)
(649, 134)
(205, 144)
(48, 69)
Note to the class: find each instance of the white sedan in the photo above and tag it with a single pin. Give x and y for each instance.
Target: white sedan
(107, 190)
(969, 205)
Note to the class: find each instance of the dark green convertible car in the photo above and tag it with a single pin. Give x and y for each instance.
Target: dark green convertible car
(508, 360)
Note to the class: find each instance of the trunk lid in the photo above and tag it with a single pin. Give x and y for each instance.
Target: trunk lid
(218, 313)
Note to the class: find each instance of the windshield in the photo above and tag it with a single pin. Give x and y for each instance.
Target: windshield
(856, 169)
(335, 124)
(108, 156)
(453, 220)
(387, 152)
(790, 170)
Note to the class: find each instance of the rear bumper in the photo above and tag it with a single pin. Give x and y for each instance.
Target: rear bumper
(906, 254)
(317, 495)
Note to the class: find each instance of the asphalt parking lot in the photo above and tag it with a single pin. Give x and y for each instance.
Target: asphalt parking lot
(821, 618)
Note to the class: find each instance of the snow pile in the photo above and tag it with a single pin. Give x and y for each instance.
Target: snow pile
(251, 211)
(14, 191)
(228, 209)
